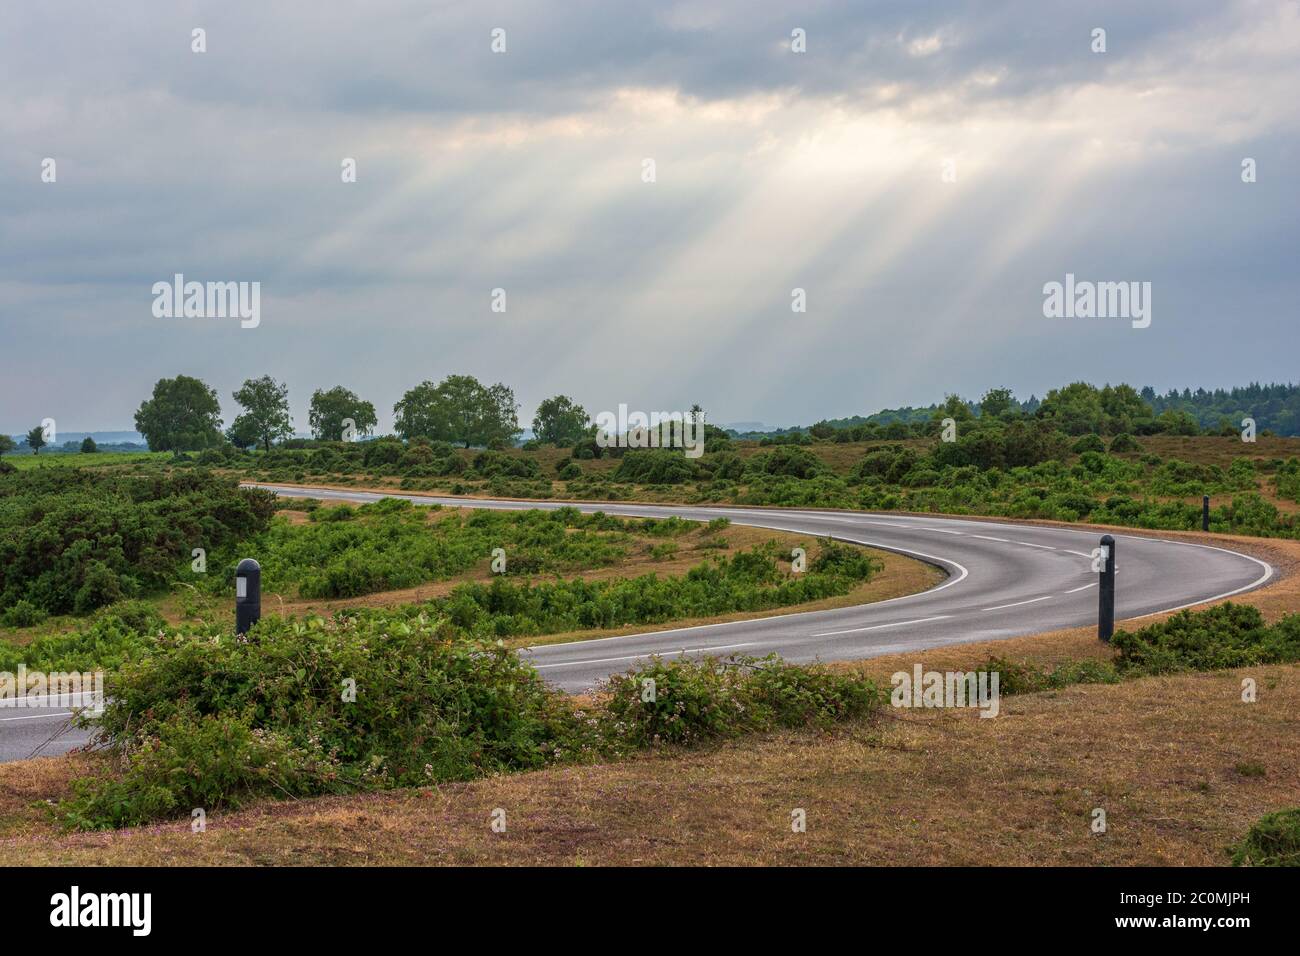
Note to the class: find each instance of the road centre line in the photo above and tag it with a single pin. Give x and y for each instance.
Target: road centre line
(37, 716)
(1001, 607)
(877, 627)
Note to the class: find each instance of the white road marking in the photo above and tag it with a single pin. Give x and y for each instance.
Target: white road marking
(637, 657)
(876, 627)
(984, 537)
(1084, 588)
(37, 716)
(1030, 544)
(1001, 607)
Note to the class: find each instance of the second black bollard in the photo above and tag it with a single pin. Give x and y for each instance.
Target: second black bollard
(1106, 601)
(248, 595)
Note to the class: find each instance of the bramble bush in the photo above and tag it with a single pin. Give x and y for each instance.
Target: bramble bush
(213, 720)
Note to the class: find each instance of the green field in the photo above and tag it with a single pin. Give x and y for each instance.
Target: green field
(78, 459)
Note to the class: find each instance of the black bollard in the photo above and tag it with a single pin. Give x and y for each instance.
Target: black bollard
(1106, 602)
(248, 595)
(1205, 512)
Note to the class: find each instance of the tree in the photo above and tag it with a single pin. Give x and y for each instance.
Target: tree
(266, 411)
(822, 429)
(560, 421)
(329, 409)
(241, 433)
(1125, 409)
(954, 407)
(6, 444)
(88, 446)
(458, 409)
(997, 403)
(1075, 409)
(183, 415)
(36, 439)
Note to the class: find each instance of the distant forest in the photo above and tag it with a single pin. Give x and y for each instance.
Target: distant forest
(1273, 407)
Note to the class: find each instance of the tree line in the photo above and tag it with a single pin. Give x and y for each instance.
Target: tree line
(1081, 407)
(184, 414)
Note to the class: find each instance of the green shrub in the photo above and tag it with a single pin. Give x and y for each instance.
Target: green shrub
(23, 614)
(214, 761)
(105, 643)
(1224, 636)
(379, 700)
(72, 539)
(1273, 841)
(644, 467)
(497, 464)
(1088, 442)
(747, 581)
(696, 701)
(1124, 442)
(788, 461)
(348, 551)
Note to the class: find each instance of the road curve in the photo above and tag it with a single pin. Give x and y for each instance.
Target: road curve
(1004, 580)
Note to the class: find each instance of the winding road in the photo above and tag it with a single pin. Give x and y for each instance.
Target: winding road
(1003, 580)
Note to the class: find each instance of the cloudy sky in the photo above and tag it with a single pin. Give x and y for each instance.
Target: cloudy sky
(523, 170)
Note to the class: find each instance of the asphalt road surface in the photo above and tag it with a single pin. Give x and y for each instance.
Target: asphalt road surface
(1004, 580)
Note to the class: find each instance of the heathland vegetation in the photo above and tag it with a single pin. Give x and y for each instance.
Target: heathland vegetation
(381, 699)
(76, 539)
(409, 694)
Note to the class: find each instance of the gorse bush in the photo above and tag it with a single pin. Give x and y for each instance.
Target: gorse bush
(788, 460)
(752, 580)
(345, 552)
(72, 540)
(23, 614)
(1227, 635)
(1221, 637)
(1287, 480)
(368, 702)
(648, 467)
(688, 702)
(273, 715)
(1273, 841)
